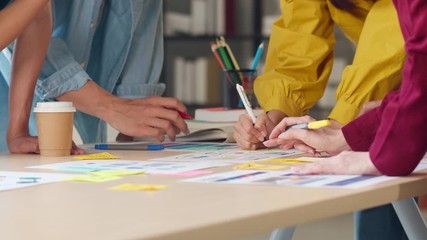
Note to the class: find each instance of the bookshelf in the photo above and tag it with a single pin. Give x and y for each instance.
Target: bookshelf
(187, 45)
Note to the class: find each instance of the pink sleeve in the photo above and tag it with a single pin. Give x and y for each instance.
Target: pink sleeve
(360, 133)
(401, 139)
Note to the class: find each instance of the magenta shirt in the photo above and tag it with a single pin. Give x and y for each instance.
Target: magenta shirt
(396, 133)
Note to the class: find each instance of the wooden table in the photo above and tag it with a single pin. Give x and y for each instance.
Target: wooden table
(72, 210)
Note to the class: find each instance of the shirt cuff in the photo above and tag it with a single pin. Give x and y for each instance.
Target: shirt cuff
(283, 104)
(360, 133)
(70, 78)
(344, 112)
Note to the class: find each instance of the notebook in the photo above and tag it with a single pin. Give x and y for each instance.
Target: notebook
(203, 131)
(219, 114)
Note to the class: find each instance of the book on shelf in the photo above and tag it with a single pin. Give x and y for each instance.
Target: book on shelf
(197, 81)
(195, 17)
(198, 23)
(179, 77)
(177, 23)
(219, 114)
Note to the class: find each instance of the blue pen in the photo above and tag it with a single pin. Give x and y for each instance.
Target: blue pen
(257, 56)
(143, 146)
(28, 180)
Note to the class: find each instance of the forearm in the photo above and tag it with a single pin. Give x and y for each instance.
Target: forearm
(25, 70)
(16, 17)
(92, 99)
(148, 117)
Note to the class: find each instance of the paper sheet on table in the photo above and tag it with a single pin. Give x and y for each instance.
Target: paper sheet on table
(13, 180)
(229, 156)
(288, 178)
(132, 165)
(257, 166)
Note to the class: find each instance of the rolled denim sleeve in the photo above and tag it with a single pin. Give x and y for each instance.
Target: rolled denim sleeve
(60, 73)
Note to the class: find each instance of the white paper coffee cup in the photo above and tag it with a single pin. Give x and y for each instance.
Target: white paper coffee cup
(55, 127)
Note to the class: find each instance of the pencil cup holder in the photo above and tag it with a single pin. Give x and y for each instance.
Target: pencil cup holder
(244, 77)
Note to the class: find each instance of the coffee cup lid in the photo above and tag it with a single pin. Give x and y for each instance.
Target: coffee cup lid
(54, 107)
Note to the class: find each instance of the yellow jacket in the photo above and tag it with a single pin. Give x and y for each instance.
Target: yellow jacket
(301, 53)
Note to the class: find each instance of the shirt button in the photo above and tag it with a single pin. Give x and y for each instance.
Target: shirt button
(82, 64)
(92, 25)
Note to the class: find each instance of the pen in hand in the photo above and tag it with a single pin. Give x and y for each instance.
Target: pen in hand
(246, 102)
(185, 116)
(310, 125)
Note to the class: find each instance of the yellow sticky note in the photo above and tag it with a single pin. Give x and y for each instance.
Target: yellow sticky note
(288, 161)
(92, 178)
(257, 166)
(138, 187)
(116, 173)
(97, 156)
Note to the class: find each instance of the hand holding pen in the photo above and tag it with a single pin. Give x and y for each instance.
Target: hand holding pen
(185, 116)
(152, 117)
(297, 132)
(126, 138)
(309, 125)
(250, 131)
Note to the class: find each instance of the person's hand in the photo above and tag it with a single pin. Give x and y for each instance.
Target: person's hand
(329, 139)
(345, 163)
(250, 136)
(142, 117)
(29, 144)
(76, 150)
(369, 106)
(147, 117)
(123, 138)
(24, 144)
(287, 122)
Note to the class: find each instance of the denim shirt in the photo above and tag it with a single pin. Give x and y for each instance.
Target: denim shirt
(90, 43)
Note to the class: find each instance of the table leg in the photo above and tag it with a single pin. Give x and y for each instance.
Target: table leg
(410, 216)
